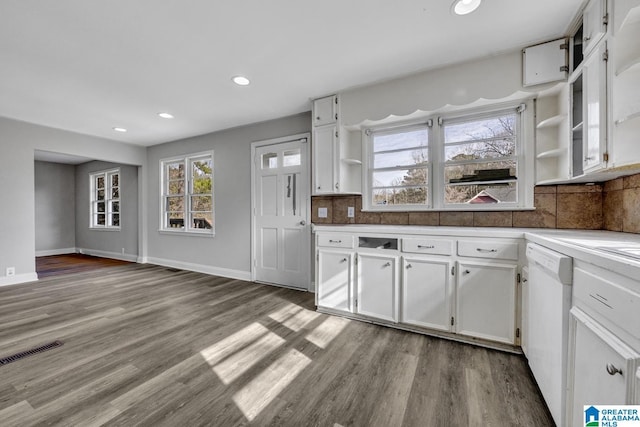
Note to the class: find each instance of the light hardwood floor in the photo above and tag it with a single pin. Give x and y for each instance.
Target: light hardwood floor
(145, 345)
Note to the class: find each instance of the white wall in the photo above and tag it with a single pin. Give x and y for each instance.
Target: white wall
(55, 216)
(18, 141)
(120, 244)
(229, 252)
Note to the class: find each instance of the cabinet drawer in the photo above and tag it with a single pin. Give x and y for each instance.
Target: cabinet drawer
(427, 245)
(607, 296)
(488, 249)
(335, 240)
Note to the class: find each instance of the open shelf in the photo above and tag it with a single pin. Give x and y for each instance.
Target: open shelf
(494, 182)
(552, 153)
(551, 121)
(351, 161)
(628, 117)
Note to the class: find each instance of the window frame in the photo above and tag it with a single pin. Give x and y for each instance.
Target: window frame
(108, 200)
(187, 227)
(523, 156)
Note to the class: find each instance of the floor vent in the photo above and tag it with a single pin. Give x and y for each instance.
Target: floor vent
(23, 354)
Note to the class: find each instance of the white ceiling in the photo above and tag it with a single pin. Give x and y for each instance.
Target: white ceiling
(88, 66)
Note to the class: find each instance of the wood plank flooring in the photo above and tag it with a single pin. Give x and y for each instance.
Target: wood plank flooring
(145, 345)
(56, 265)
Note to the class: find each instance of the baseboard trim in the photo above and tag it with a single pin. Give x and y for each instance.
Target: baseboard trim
(106, 254)
(62, 251)
(199, 268)
(18, 279)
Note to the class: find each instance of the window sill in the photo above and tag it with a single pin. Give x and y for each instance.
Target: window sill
(104, 228)
(187, 233)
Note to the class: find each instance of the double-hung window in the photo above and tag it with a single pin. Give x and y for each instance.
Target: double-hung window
(105, 199)
(399, 166)
(187, 194)
(469, 161)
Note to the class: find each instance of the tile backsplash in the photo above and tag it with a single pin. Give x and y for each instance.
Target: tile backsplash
(613, 205)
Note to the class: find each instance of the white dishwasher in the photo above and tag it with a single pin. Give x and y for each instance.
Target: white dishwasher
(548, 301)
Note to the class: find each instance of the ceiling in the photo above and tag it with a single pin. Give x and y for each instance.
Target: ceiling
(89, 66)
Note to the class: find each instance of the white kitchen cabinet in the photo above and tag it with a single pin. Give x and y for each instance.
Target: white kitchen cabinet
(377, 284)
(325, 110)
(335, 280)
(325, 144)
(589, 114)
(337, 152)
(594, 21)
(426, 292)
(486, 300)
(601, 368)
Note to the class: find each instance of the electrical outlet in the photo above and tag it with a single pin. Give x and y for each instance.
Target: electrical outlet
(11, 271)
(351, 212)
(322, 212)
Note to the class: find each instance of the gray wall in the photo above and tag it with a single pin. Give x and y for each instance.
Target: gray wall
(230, 249)
(108, 242)
(55, 216)
(18, 141)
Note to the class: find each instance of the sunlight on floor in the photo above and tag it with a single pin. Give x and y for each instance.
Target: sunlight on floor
(327, 331)
(294, 317)
(236, 354)
(261, 390)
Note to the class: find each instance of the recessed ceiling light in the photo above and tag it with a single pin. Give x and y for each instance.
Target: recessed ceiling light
(117, 129)
(463, 7)
(166, 115)
(241, 80)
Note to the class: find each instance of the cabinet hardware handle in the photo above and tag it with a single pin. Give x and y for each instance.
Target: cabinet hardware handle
(426, 247)
(387, 265)
(343, 260)
(486, 250)
(318, 187)
(612, 370)
(409, 266)
(336, 185)
(335, 241)
(303, 222)
(467, 271)
(586, 39)
(318, 118)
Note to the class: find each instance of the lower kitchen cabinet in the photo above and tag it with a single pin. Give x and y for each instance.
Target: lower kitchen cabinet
(377, 285)
(486, 301)
(426, 292)
(335, 280)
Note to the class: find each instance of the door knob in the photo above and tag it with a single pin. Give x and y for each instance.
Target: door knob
(303, 222)
(612, 370)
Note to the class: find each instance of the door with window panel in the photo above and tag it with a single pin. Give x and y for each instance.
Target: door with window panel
(480, 160)
(281, 235)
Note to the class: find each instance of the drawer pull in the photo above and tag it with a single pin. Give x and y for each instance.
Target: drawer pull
(335, 241)
(409, 266)
(612, 370)
(343, 260)
(388, 264)
(426, 247)
(467, 271)
(486, 250)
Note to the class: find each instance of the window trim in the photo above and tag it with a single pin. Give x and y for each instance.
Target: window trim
(524, 157)
(186, 229)
(108, 208)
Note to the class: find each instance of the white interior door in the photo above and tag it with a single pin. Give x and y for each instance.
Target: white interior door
(281, 227)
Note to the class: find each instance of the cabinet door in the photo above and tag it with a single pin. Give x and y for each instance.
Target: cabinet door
(595, 110)
(594, 21)
(324, 146)
(601, 368)
(334, 281)
(485, 301)
(426, 295)
(325, 111)
(377, 286)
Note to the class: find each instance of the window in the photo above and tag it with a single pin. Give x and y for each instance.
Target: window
(464, 162)
(187, 194)
(105, 199)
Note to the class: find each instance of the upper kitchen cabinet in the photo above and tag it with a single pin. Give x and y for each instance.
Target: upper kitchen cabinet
(594, 21)
(325, 110)
(337, 165)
